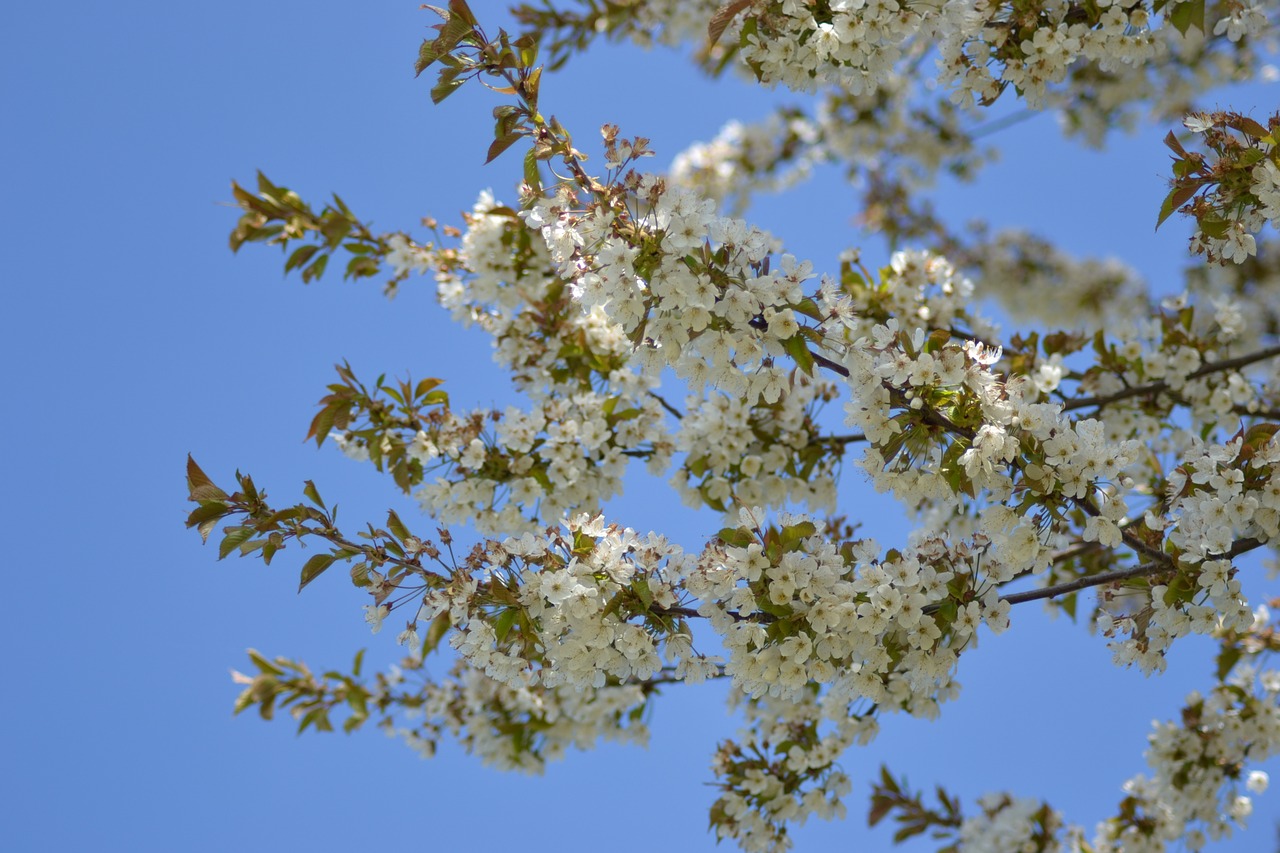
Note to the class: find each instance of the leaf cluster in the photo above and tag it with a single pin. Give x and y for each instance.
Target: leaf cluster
(276, 215)
(893, 798)
(284, 683)
(257, 527)
(1216, 191)
(383, 420)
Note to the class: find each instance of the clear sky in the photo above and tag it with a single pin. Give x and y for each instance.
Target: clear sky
(133, 337)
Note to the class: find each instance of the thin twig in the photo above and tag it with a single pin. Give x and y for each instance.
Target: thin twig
(1001, 123)
(670, 408)
(833, 366)
(852, 438)
(1087, 506)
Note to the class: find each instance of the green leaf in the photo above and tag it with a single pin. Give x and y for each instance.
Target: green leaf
(1176, 198)
(640, 586)
(317, 716)
(502, 627)
(335, 230)
(534, 80)
(264, 666)
(361, 266)
(1187, 15)
(809, 308)
(1249, 157)
(323, 422)
(1227, 659)
(435, 633)
(206, 516)
(736, 537)
(314, 496)
(233, 539)
(1215, 227)
(396, 526)
(313, 272)
(1169, 205)
(300, 257)
(798, 349)
(247, 548)
(424, 386)
(532, 176)
(447, 85)
(795, 533)
(428, 52)
(314, 567)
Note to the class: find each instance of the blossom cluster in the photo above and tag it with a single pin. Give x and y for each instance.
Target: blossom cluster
(1093, 62)
(781, 771)
(1232, 194)
(589, 606)
(522, 469)
(745, 159)
(693, 288)
(1133, 452)
(716, 310)
(1194, 791)
(1011, 823)
(818, 635)
(509, 727)
(739, 455)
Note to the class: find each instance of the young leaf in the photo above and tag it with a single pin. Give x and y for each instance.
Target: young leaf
(720, 20)
(206, 517)
(314, 496)
(396, 526)
(1171, 140)
(1184, 16)
(314, 567)
(300, 257)
(425, 386)
(735, 537)
(199, 486)
(444, 88)
(501, 144)
(1176, 198)
(233, 539)
(798, 349)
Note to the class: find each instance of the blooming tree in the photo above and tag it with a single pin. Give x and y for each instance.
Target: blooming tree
(1122, 445)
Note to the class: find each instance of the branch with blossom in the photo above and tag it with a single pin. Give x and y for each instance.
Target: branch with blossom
(1136, 454)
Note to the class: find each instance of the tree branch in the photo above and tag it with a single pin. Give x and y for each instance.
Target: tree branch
(1157, 387)
(852, 438)
(1145, 570)
(670, 408)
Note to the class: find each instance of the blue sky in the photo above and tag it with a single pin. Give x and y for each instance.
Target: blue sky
(135, 337)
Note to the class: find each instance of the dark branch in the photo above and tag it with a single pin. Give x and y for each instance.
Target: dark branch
(1145, 570)
(670, 408)
(1157, 387)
